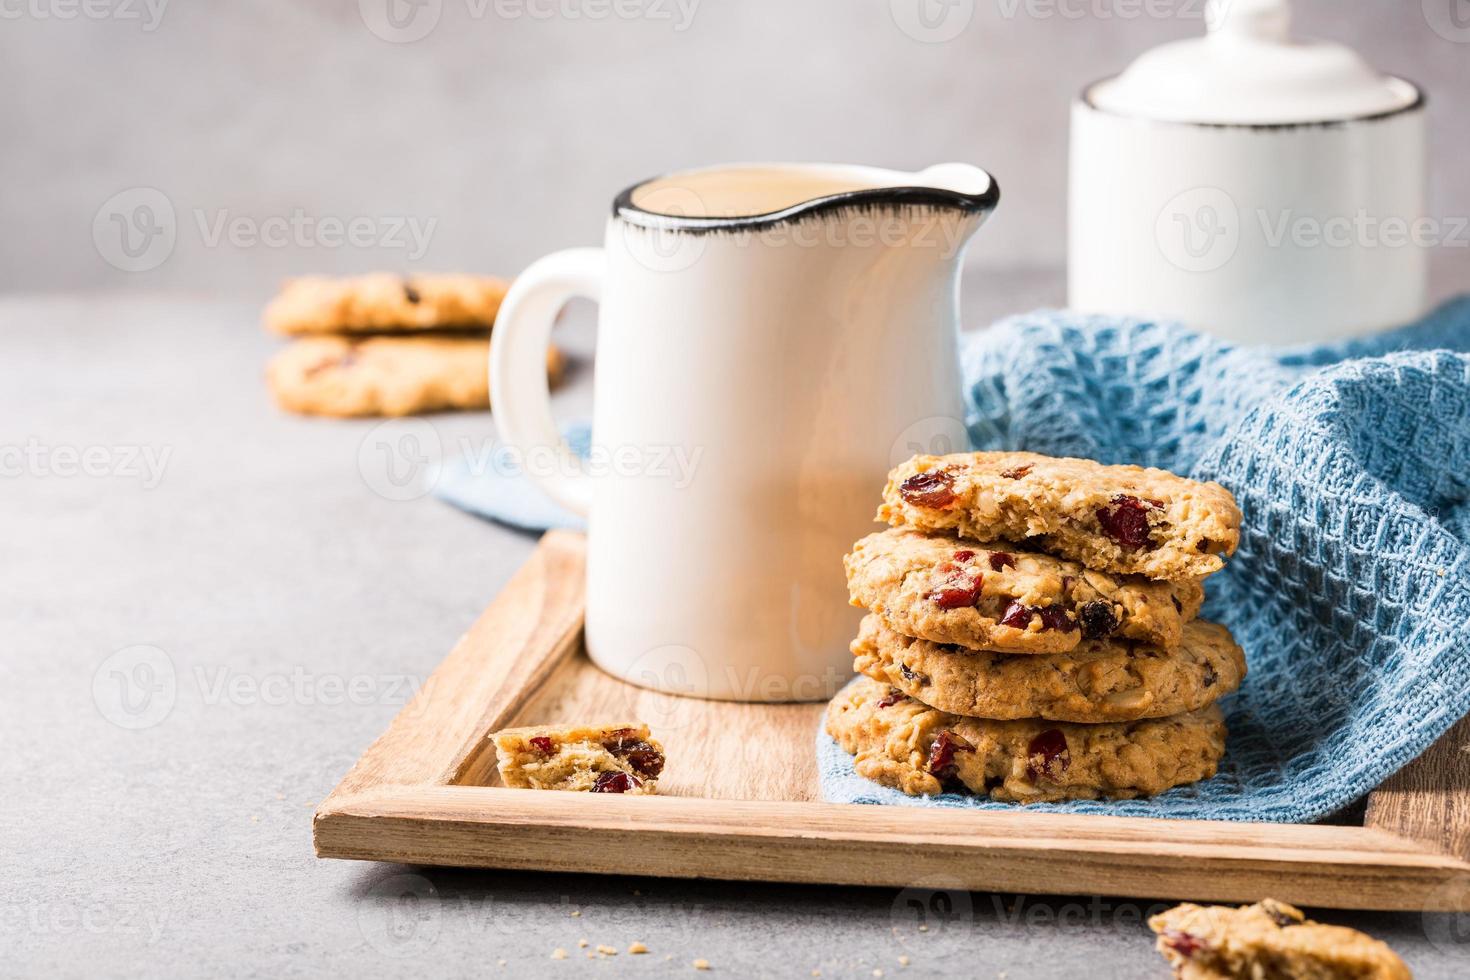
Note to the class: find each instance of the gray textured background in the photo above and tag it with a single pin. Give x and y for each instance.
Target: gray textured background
(512, 132)
(183, 847)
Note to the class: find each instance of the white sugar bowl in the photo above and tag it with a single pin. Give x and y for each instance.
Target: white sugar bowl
(1266, 189)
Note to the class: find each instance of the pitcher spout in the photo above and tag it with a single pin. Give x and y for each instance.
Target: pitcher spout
(967, 188)
(964, 196)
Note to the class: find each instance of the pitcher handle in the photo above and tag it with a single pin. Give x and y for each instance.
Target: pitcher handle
(519, 389)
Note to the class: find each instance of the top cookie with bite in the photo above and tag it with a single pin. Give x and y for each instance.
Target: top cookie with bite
(1125, 519)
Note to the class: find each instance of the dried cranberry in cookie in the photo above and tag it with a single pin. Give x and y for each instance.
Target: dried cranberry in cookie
(1125, 520)
(941, 754)
(959, 588)
(1018, 616)
(1183, 943)
(929, 489)
(911, 675)
(627, 744)
(615, 782)
(1048, 756)
(1098, 619)
(344, 358)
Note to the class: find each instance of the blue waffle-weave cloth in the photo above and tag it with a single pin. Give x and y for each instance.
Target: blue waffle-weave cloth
(1350, 591)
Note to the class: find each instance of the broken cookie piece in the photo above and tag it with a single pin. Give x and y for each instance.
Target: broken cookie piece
(613, 759)
(1268, 939)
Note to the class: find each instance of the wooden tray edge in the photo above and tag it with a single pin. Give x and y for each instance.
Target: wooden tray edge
(399, 803)
(1345, 867)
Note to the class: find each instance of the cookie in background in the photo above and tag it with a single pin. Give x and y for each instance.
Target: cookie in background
(386, 345)
(387, 376)
(381, 302)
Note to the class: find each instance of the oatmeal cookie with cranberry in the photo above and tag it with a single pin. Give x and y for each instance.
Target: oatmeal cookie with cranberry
(589, 759)
(381, 302)
(903, 743)
(386, 376)
(1098, 681)
(995, 597)
(1268, 939)
(1124, 519)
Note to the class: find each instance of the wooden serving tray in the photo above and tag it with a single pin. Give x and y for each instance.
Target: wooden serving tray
(739, 798)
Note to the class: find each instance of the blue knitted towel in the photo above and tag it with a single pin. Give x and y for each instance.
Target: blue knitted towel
(1351, 588)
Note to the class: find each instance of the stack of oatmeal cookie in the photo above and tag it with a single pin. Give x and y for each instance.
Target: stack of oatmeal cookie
(387, 345)
(1031, 632)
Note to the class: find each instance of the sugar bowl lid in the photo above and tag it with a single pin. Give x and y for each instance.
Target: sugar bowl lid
(1249, 70)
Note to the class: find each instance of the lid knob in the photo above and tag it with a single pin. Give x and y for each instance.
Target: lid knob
(1249, 20)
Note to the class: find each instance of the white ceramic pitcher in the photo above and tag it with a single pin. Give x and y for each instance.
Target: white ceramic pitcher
(772, 339)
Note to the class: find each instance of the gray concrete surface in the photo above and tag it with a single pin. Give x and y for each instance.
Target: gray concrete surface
(195, 654)
(511, 123)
